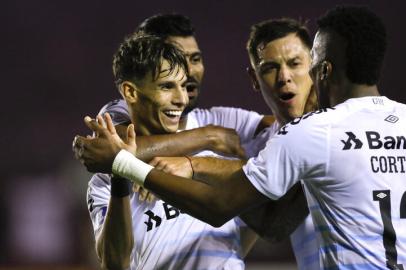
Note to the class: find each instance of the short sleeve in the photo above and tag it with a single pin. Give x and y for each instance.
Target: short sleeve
(98, 196)
(118, 111)
(297, 152)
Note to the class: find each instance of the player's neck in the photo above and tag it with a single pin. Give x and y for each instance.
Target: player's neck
(354, 91)
(182, 122)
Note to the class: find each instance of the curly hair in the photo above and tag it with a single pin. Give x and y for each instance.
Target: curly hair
(365, 36)
(139, 55)
(164, 25)
(269, 30)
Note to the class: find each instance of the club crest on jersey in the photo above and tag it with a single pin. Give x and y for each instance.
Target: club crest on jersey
(283, 131)
(374, 140)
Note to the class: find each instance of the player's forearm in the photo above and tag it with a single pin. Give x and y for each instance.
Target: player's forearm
(212, 203)
(179, 144)
(115, 243)
(276, 220)
(214, 170)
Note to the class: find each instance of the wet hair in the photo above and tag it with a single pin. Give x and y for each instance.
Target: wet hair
(269, 30)
(165, 25)
(365, 41)
(139, 55)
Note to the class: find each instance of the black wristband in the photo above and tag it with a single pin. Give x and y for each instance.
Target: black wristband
(120, 187)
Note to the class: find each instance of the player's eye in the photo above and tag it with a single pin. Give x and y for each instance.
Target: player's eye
(166, 86)
(196, 58)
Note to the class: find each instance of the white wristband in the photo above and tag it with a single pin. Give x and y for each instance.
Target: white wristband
(128, 166)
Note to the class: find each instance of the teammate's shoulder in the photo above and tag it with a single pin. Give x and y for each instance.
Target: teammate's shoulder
(116, 105)
(118, 111)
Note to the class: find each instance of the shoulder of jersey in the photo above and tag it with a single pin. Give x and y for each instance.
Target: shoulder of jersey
(115, 105)
(100, 179)
(318, 117)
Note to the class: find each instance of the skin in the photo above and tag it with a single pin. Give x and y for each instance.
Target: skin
(217, 139)
(195, 64)
(153, 97)
(283, 67)
(328, 71)
(282, 76)
(150, 102)
(214, 196)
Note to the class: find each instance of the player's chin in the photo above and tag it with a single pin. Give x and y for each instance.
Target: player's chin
(171, 128)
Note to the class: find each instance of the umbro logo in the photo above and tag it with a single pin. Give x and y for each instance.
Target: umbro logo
(381, 195)
(392, 119)
(351, 141)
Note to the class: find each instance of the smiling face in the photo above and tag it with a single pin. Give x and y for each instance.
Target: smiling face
(159, 103)
(282, 74)
(194, 59)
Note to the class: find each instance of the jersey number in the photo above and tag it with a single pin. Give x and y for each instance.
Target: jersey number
(389, 234)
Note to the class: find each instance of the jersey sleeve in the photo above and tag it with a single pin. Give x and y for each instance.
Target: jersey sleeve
(98, 196)
(243, 121)
(297, 152)
(118, 111)
(256, 144)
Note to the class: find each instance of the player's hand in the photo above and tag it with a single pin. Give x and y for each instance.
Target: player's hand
(98, 153)
(143, 193)
(225, 141)
(179, 166)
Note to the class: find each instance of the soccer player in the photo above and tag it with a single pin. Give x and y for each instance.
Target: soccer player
(119, 216)
(350, 157)
(279, 52)
(289, 78)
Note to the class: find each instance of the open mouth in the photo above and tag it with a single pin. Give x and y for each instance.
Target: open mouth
(286, 96)
(173, 113)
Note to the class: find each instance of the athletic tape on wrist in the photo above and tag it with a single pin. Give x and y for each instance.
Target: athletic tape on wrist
(128, 166)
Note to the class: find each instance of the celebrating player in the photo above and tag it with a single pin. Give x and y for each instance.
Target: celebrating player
(353, 169)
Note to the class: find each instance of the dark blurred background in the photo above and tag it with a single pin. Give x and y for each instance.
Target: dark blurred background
(56, 68)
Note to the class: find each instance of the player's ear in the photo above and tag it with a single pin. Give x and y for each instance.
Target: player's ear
(129, 91)
(253, 77)
(326, 69)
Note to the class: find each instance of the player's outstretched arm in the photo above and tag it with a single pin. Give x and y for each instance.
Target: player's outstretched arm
(115, 241)
(276, 220)
(273, 220)
(94, 156)
(212, 203)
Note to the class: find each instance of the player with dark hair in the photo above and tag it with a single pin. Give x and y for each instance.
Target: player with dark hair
(200, 244)
(351, 158)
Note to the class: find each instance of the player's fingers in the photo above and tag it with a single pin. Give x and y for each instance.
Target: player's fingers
(76, 142)
(159, 166)
(136, 188)
(143, 193)
(131, 136)
(109, 124)
(154, 161)
(100, 121)
(94, 125)
(150, 197)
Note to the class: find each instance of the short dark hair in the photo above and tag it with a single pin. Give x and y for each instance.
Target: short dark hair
(139, 55)
(269, 30)
(365, 36)
(164, 25)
